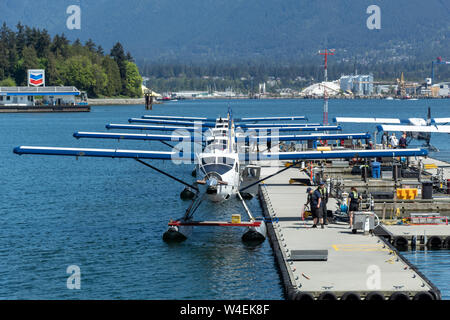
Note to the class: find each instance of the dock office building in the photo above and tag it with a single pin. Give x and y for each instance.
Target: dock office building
(26, 96)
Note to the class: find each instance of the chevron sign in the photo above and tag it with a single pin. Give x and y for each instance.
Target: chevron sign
(36, 78)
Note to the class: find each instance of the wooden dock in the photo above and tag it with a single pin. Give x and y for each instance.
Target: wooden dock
(332, 263)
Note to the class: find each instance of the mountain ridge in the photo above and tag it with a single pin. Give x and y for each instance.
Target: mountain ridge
(239, 30)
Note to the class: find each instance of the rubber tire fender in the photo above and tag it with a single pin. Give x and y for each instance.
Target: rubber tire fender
(327, 295)
(304, 297)
(351, 296)
(423, 296)
(399, 296)
(375, 296)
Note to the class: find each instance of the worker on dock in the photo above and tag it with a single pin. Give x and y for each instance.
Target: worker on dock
(402, 144)
(317, 208)
(324, 193)
(354, 204)
(393, 141)
(384, 139)
(309, 200)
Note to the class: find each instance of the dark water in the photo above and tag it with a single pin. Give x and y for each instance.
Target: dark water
(108, 216)
(435, 264)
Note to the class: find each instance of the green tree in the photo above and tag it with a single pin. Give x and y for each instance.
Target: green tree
(28, 61)
(133, 87)
(77, 71)
(114, 83)
(8, 82)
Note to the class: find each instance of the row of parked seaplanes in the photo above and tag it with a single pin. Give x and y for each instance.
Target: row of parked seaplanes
(225, 151)
(415, 128)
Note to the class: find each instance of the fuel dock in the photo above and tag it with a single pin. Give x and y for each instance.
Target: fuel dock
(42, 99)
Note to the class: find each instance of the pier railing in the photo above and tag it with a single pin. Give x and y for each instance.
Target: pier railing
(37, 89)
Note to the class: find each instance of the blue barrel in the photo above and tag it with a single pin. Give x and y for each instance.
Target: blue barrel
(376, 169)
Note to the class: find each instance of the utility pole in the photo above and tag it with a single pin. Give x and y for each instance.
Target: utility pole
(326, 53)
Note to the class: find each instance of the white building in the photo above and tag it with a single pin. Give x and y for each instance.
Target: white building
(26, 96)
(317, 89)
(441, 89)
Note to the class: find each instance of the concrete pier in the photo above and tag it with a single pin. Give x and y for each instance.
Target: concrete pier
(332, 263)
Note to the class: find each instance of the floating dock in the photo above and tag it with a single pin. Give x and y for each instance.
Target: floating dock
(332, 263)
(416, 236)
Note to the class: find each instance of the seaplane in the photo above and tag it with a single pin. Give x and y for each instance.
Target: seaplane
(224, 149)
(415, 128)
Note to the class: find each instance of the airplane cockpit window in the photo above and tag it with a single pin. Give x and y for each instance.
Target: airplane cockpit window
(225, 160)
(208, 160)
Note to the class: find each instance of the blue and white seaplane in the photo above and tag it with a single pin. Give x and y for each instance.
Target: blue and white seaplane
(415, 128)
(222, 151)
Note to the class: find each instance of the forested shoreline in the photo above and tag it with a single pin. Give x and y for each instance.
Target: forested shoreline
(85, 66)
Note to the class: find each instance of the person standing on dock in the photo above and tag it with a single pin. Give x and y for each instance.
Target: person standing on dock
(393, 141)
(309, 201)
(384, 139)
(317, 208)
(402, 144)
(324, 193)
(354, 204)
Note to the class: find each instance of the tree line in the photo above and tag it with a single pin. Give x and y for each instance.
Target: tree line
(85, 66)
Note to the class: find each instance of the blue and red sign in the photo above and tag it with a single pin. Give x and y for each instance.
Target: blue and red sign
(36, 77)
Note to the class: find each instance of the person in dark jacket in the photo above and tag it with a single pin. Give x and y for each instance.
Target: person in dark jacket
(402, 143)
(354, 203)
(324, 192)
(309, 199)
(317, 208)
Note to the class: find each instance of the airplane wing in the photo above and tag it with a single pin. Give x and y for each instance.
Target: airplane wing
(316, 155)
(366, 120)
(279, 125)
(178, 118)
(431, 129)
(305, 137)
(271, 119)
(104, 153)
(174, 122)
(440, 120)
(254, 119)
(136, 136)
(160, 155)
(161, 128)
(302, 128)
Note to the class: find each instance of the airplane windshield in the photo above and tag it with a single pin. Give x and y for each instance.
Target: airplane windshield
(219, 168)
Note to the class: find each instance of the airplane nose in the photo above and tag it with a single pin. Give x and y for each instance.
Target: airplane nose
(212, 182)
(212, 186)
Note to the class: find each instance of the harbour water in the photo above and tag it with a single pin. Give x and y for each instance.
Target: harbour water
(108, 216)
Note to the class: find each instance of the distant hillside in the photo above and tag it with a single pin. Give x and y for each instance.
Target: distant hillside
(221, 30)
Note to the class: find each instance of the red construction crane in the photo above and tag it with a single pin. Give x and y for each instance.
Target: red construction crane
(326, 53)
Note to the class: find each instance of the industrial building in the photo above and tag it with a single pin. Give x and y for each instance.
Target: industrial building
(361, 85)
(441, 89)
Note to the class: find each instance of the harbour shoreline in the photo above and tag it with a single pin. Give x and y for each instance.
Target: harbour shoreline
(135, 101)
